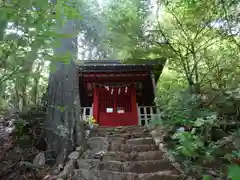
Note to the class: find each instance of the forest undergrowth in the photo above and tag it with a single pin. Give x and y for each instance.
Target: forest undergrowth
(202, 132)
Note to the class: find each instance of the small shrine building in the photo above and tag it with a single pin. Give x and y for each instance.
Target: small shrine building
(118, 94)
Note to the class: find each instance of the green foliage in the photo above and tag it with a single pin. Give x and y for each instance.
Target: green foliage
(21, 133)
(193, 142)
(234, 172)
(20, 125)
(29, 129)
(3, 106)
(169, 86)
(207, 177)
(125, 21)
(189, 144)
(185, 108)
(234, 155)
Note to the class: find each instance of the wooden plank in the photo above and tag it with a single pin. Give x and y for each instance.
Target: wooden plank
(145, 115)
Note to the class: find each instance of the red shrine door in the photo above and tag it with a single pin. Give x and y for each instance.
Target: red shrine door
(115, 106)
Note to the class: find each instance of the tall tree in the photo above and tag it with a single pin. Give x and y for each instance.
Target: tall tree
(186, 32)
(63, 114)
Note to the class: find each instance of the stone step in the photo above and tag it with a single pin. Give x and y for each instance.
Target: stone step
(108, 128)
(133, 156)
(161, 175)
(120, 134)
(124, 153)
(112, 175)
(121, 140)
(147, 166)
(84, 174)
(127, 166)
(139, 141)
(128, 148)
(108, 139)
(97, 144)
(127, 135)
(114, 130)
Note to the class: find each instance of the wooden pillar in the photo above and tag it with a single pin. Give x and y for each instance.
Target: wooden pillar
(95, 105)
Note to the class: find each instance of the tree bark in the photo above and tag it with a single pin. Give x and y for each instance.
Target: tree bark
(63, 124)
(36, 78)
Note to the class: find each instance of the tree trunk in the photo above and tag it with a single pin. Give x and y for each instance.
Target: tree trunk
(36, 79)
(17, 100)
(63, 124)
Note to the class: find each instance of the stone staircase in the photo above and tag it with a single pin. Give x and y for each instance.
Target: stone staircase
(123, 153)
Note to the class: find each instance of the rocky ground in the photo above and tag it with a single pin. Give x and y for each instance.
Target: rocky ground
(19, 158)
